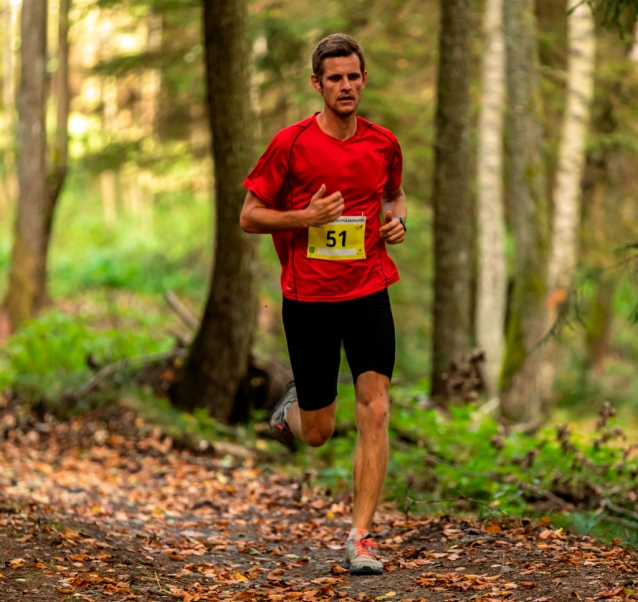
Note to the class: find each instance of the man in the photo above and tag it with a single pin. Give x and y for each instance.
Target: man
(320, 189)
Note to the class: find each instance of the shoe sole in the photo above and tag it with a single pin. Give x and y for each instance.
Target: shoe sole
(272, 424)
(363, 570)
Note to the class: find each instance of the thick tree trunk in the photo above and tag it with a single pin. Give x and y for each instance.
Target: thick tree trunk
(59, 162)
(453, 224)
(25, 294)
(219, 357)
(492, 268)
(523, 383)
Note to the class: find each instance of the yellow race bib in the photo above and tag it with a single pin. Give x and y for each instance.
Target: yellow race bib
(342, 239)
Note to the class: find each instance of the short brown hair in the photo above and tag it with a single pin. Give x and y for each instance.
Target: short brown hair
(337, 44)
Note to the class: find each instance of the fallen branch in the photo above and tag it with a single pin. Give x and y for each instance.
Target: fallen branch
(456, 499)
(181, 310)
(110, 369)
(620, 510)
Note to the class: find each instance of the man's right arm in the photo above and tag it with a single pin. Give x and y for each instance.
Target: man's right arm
(257, 218)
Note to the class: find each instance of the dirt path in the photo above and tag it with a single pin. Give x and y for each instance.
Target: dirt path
(86, 514)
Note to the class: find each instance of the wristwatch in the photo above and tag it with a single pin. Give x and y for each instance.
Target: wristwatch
(402, 222)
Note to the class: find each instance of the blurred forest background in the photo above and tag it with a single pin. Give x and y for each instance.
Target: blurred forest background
(518, 293)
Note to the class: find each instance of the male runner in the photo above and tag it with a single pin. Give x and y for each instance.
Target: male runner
(320, 189)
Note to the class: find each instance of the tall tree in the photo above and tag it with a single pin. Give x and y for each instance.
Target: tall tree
(571, 153)
(571, 161)
(453, 224)
(7, 117)
(523, 382)
(59, 156)
(219, 357)
(492, 269)
(25, 295)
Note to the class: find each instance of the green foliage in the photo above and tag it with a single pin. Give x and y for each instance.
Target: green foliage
(48, 356)
(465, 459)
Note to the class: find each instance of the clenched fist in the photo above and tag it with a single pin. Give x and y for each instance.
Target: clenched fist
(324, 209)
(392, 231)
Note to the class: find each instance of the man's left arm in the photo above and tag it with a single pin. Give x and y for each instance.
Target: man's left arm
(394, 206)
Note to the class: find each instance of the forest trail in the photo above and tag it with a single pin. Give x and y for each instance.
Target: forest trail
(92, 513)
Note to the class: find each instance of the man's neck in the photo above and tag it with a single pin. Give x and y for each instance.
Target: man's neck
(336, 126)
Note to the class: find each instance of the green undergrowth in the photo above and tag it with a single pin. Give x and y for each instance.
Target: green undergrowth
(463, 461)
(57, 353)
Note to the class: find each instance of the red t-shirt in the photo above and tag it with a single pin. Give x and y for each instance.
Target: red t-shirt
(297, 162)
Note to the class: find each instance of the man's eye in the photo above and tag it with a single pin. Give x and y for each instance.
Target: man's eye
(354, 76)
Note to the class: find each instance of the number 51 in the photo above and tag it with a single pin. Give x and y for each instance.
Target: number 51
(332, 241)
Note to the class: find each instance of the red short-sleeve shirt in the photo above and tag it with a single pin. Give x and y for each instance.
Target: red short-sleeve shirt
(297, 162)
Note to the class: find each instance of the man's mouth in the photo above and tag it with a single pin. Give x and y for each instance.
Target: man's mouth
(345, 98)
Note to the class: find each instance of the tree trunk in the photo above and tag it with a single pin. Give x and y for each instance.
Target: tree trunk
(219, 357)
(9, 184)
(492, 268)
(571, 161)
(25, 294)
(452, 336)
(571, 153)
(59, 163)
(523, 383)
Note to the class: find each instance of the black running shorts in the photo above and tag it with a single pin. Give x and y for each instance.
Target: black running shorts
(314, 332)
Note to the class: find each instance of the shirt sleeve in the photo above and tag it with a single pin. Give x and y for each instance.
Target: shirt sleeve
(270, 174)
(395, 168)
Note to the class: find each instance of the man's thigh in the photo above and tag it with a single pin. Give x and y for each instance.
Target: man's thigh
(313, 335)
(369, 336)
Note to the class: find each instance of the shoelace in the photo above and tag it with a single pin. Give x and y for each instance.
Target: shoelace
(362, 546)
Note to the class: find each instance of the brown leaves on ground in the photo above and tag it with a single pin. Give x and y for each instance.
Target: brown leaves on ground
(104, 508)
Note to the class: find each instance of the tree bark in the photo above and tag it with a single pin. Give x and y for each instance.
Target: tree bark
(571, 153)
(571, 161)
(27, 261)
(492, 268)
(453, 224)
(8, 193)
(523, 383)
(219, 357)
(59, 163)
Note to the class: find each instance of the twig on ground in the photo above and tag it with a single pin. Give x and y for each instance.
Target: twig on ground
(620, 521)
(455, 499)
(181, 310)
(110, 369)
(620, 510)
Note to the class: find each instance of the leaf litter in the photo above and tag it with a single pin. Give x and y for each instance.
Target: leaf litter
(99, 508)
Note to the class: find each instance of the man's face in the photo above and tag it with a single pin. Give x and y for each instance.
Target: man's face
(341, 84)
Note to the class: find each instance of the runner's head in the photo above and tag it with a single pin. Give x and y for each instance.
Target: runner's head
(338, 73)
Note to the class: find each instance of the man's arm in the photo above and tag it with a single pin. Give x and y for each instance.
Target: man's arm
(257, 218)
(394, 205)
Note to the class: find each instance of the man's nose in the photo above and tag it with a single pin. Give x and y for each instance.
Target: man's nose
(345, 84)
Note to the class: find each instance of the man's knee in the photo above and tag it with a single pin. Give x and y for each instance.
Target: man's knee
(317, 436)
(373, 413)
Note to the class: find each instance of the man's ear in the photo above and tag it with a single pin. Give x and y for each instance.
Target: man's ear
(316, 83)
(365, 78)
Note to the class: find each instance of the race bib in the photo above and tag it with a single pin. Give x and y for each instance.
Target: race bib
(342, 239)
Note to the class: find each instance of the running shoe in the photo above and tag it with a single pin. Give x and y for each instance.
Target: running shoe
(278, 427)
(360, 558)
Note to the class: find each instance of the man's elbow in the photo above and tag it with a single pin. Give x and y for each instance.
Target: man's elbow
(246, 224)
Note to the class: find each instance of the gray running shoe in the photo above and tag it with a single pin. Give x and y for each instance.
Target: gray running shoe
(359, 556)
(278, 427)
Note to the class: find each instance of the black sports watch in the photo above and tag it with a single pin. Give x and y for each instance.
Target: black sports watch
(402, 222)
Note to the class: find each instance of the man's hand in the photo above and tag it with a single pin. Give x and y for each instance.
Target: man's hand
(392, 231)
(324, 209)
